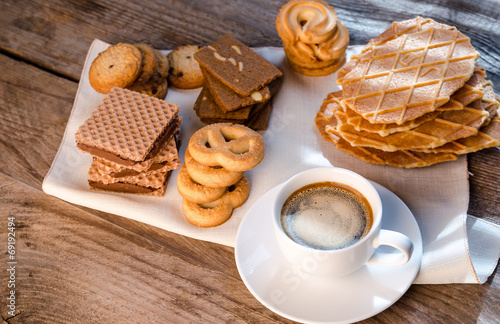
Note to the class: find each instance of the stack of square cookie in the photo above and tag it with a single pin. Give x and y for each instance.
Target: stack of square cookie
(413, 97)
(239, 84)
(133, 139)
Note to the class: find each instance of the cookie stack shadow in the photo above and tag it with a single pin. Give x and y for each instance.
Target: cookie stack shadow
(239, 84)
(133, 139)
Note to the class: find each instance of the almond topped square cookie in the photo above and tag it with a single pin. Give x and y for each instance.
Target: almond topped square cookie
(236, 65)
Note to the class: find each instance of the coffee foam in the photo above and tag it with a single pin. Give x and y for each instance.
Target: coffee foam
(326, 217)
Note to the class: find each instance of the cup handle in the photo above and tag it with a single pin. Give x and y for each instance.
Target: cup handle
(398, 241)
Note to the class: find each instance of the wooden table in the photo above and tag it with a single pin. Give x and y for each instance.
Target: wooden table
(77, 265)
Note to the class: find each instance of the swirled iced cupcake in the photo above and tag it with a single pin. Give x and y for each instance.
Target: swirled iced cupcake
(314, 39)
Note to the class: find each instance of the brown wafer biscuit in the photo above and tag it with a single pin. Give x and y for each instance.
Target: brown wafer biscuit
(236, 65)
(221, 120)
(258, 119)
(128, 127)
(227, 99)
(206, 108)
(117, 66)
(261, 112)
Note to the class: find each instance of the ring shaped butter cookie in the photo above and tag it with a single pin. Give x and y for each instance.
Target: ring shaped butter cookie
(211, 176)
(219, 211)
(185, 72)
(232, 146)
(117, 66)
(196, 192)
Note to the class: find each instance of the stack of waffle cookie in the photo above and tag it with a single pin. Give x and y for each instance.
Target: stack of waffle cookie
(133, 139)
(239, 84)
(413, 97)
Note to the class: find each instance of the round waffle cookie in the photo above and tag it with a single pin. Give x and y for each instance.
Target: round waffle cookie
(327, 122)
(409, 76)
(396, 29)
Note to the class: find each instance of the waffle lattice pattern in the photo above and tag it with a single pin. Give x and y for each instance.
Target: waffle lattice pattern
(127, 124)
(409, 76)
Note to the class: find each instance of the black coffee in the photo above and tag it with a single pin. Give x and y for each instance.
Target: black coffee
(326, 216)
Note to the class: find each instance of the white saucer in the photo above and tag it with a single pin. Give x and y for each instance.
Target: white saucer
(310, 299)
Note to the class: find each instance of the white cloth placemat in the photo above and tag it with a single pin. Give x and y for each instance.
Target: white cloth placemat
(437, 196)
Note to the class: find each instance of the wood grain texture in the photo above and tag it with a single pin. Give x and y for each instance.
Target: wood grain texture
(34, 111)
(56, 34)
(74, 267)
(79, 265)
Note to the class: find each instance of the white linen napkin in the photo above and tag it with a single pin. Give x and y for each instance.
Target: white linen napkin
(457, 248)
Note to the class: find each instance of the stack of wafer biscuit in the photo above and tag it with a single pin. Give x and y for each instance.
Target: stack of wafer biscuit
(133, 139)
(212, 179)
(413, 97)
(138, 67)
(239, 84)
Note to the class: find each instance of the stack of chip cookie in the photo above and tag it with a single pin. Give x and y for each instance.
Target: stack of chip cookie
(212, 180)
(413, 97)
(137, 67)
(239, 84)
(133, 139)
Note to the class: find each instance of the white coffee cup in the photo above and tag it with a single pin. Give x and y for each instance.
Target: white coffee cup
(345, 260)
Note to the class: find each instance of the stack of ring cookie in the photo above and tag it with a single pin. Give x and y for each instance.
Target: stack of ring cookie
(212, 180)
(313, 37)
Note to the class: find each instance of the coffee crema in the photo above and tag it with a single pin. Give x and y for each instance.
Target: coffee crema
(326, 216)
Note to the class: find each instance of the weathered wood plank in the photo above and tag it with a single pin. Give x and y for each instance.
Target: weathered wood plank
(484, 184)
(74, 267)
(56, 34)
(34, 111)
